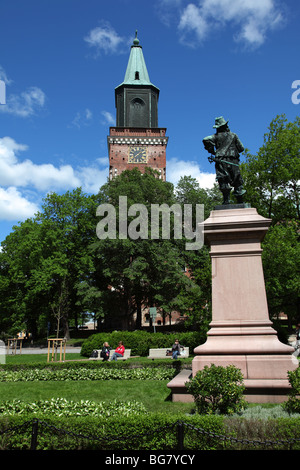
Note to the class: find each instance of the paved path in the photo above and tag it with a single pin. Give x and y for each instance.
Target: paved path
(45, 350)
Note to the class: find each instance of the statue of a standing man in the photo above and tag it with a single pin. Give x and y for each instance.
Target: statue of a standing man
(226, 148)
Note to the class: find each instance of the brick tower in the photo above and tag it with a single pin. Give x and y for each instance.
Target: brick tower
(137, 141)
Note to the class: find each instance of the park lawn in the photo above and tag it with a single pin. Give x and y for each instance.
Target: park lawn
(154, 394)
(30, 358)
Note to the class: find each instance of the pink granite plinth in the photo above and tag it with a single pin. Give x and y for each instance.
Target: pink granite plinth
(241, 332)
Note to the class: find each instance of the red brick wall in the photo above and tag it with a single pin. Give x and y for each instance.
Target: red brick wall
(119, 141)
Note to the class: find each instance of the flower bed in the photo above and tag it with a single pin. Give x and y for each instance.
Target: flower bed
(62, 407)
(146, 373)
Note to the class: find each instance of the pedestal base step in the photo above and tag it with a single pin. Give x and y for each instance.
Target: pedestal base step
(256, 390)
(178, 388)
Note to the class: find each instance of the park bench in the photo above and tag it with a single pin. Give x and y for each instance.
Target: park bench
(161, 353)
(126, 355)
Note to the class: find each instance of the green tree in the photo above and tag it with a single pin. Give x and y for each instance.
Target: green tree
(43, 260)
(188, 191)
(281, 261)
(70, 222)
(272, 182)
(272, 176)
(140, 271)
(21, 254)
(196, 301)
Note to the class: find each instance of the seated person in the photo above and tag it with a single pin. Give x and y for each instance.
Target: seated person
(176, 349)
(105, 351)
(119, 351)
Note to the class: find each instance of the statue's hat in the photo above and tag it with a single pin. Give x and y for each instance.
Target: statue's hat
(220, 121)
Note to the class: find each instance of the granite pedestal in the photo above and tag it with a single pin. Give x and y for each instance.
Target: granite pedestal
(241, 332)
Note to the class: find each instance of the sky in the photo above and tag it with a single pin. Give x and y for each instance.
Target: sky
(60, 61)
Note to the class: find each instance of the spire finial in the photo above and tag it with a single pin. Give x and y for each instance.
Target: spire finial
(136, 41)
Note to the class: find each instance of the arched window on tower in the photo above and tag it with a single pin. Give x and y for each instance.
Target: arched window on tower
(138, 114)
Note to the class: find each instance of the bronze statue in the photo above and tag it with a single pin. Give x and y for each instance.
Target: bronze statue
(225, 147)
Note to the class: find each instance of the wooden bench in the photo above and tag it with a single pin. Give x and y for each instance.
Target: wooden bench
(161, 353)
(125, 356)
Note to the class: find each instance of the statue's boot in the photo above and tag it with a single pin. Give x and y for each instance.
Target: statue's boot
(239, 193)
(226, 196)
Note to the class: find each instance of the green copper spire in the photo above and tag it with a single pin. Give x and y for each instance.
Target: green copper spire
(136, 72)
(136, 98)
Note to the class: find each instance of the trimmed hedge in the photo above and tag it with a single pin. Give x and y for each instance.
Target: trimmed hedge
(293, 403)
(134, 363)
(141, 341)
(151, 432)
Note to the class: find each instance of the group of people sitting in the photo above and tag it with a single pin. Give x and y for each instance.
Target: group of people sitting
(119, 351)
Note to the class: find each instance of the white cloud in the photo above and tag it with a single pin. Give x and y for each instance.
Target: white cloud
(192, 20)
(105, 39)
(167, 11)
(23, 183)
(9, 148)
(26, 173)
(92, 178)
(26, 103)
(178, 168)
(102, 161)
(4, 77)
(82, 119)
(252, 20)
(108, 118)
(15, 207)
(85, 118)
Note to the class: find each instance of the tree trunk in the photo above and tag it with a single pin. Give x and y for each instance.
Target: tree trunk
(138, 323)
(66, 330)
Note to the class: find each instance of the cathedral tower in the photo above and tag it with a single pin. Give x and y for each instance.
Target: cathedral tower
(137, 141)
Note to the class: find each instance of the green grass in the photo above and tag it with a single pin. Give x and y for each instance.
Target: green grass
(30, 358)
(153, 394)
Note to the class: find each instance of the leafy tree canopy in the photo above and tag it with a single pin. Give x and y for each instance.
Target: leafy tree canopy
(54, 268)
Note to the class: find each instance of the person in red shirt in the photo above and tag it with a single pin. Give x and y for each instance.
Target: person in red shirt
(119, 351)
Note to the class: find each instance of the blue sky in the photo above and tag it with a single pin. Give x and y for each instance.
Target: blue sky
(62, 59)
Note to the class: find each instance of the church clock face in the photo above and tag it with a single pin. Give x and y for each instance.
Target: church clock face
(137, 154)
